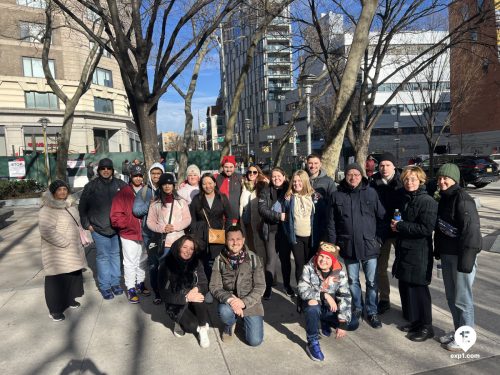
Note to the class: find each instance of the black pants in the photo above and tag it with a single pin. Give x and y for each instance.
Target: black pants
(301, 252)
(61, 290)
(416, 303)
(195, 315)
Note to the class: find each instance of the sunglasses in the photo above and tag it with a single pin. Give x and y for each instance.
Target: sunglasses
(252, 172)
(105, 169)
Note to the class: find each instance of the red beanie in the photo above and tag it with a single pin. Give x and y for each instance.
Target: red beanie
(228, 159)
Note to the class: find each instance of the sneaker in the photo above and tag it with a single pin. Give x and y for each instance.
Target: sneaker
(450, 336)
(374, 321)
(141, 289)
(132, 296)
(203, 336)
(383, 306)
(326, 330)
(452, 346)
(57, 317)
(289, 291)
(74, 305)
(314, 351)
(178, 331)
(227, 333)
(107, 294)
(117, 290)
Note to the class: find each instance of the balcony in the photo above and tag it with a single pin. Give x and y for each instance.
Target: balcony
(279, 74)
(278, 35)
(278, 48)
(279, 61)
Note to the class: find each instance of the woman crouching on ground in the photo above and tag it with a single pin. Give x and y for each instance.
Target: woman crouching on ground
(183, 286)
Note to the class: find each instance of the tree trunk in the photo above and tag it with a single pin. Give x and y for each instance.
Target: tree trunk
(146, 121)
(335, 138)
(362, 152)
(64, 140)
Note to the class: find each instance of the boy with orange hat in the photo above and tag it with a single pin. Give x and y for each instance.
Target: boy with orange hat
(324, 290)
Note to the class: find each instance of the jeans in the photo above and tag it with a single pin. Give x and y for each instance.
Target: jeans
(458, 289)
(254, 325)
(107, 260)
(370, 270)
(316, 314)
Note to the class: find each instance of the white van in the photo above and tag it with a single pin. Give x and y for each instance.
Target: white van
(496, 158)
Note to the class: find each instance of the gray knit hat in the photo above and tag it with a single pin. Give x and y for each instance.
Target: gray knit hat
(450, 170)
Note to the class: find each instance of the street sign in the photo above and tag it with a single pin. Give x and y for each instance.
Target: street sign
(265, 149)
(271, 137)
(220, 139)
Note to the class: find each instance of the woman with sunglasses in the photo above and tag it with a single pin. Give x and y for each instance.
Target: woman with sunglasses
(271, 200)
(249, 211)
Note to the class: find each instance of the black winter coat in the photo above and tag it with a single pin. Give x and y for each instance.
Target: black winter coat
(176, 277)
(458, 228)
(413, 263)
(324, 187)
(387, 193)
(355, 221)
(268, 196)
(218, 216)
(95, 204)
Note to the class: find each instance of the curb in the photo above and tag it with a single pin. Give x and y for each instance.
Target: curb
(30, 202)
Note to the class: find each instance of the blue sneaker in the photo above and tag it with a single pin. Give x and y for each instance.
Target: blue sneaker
(314, 351)
(117, 290)
(326, 330)
(107, 294)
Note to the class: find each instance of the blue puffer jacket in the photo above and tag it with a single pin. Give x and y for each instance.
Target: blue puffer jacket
(356, 221)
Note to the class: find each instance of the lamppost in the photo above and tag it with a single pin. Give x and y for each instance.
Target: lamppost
(248, 124)
(44, 121)
(395, 112)
(270, 139)
(307, 81)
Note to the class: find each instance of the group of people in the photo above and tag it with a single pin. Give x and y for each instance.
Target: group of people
(220, 237)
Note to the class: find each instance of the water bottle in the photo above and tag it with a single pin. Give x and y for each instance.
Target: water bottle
(397, 215)
(439, 271)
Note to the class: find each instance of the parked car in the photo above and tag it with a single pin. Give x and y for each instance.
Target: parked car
(478, 170)
(496, 158)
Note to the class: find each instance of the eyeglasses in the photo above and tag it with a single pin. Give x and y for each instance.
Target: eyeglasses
(353, 175)
(252, 172)
(105, 169)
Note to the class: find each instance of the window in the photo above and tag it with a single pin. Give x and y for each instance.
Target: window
(103, 105)
(32, 67)
(103, 77)
(105, 53)
(32, 32)
(40, 4)
(41, 100)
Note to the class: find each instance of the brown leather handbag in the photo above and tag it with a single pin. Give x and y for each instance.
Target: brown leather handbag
(215, 236)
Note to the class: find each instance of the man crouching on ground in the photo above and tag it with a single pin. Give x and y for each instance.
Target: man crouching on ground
(324, 289)
(238, 283)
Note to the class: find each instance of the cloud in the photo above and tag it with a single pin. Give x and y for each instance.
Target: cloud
(171, 113)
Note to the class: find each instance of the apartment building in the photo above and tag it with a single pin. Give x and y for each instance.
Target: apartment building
(102, 122)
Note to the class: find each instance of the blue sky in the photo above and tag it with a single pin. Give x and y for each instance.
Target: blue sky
(171, 107)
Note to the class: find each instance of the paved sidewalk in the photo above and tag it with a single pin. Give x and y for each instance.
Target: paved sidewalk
(114, 337)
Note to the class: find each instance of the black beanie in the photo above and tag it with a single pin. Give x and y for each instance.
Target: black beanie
(108, 163)
(56, 185)
(166, 178)
(354, 166)
(387, 156)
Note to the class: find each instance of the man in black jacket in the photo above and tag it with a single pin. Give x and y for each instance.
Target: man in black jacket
(355, 224)
(229, 184)
(323, 186)
(386, 182)
(94, 209)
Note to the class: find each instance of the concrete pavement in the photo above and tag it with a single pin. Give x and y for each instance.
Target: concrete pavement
(114, 337)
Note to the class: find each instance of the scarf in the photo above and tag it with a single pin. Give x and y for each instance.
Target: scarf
(168, 198)
(234, 259)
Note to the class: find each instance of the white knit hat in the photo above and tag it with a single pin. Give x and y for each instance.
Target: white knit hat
(193, 169)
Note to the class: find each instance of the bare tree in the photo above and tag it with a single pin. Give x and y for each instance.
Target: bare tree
(84, 83)
(148, 41)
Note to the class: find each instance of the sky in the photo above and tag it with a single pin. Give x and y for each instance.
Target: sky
(171, 107)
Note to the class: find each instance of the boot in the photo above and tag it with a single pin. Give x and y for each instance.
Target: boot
(423, 333)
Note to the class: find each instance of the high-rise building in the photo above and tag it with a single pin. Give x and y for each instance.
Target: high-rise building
(269, 77)
(102, 121)
(477, 122)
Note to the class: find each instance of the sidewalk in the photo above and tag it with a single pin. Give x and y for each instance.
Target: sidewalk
(114, 337)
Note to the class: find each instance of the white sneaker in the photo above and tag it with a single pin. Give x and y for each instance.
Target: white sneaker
(203, 336)
(452, 346)
(450, 336)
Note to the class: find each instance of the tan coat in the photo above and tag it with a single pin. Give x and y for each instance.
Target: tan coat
(62, 251)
